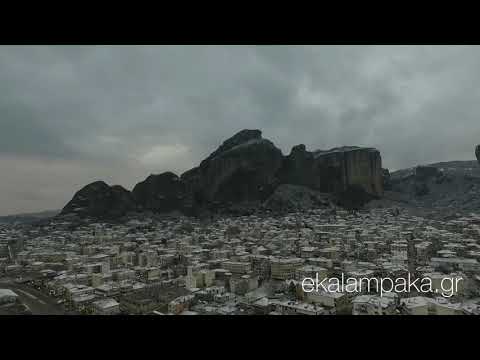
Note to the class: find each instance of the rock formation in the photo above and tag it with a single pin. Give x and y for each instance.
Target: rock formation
(477, 153)
(334, 170)
(446, 187)
(298, 168)
(99, 200)
(421, 189)
(350, 165)
(245, 169)
(160, 193)
(426, 172)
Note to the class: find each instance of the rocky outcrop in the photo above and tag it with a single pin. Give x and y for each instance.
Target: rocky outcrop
(477, 153)
(335, 170)
(247, 167)
(99, 200)
(418, 181)
(243, 168)
(387, 183)
(442, 187)
(160, 193)
(239, 138)
(423, 173)
(294, 197)
(421, 189)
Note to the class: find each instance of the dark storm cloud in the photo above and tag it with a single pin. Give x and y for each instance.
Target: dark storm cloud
(73, 114)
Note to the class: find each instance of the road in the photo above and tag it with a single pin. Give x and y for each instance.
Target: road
(37, 302)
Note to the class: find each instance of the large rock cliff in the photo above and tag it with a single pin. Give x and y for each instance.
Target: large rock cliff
(160, 193)
(335, 170)
(353, 166)
(245, 168)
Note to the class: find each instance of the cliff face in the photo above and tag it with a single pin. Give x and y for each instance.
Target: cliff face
(477, 153)
(353, 166)
(334, 170)
(244, 168)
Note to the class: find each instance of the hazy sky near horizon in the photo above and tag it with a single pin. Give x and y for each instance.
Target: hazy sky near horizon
(70, 115)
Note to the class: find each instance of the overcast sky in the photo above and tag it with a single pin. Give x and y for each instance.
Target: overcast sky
(70, 115)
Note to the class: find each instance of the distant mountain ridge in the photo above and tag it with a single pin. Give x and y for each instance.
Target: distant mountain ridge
(444, 187)
(29, 217)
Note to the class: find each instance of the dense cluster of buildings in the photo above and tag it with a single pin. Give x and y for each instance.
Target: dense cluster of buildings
(246, 265)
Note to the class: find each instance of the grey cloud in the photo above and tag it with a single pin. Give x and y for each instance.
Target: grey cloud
(80, 113)
(22, 133)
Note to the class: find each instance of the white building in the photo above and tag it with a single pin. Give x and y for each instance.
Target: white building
(106, 307)
(375, 305)
(417, 305)
(284, 269)
(7, 296)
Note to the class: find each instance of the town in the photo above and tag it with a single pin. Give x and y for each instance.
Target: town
(239, 265)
